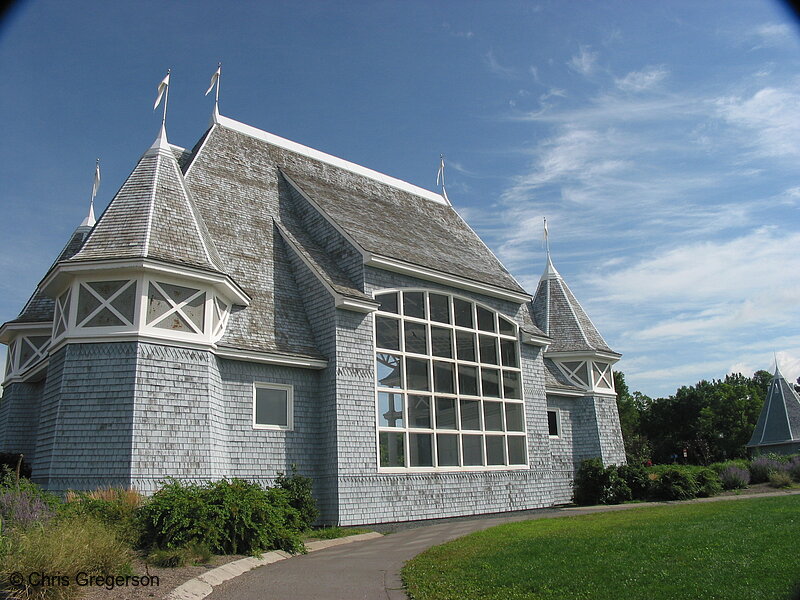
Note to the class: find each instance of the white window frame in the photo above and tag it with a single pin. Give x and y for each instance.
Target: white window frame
(406, 431)
(559, 431)
(289, 389)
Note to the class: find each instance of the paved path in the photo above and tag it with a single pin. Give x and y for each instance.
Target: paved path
(370, 570)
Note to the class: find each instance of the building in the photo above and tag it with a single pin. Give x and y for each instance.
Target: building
(778, 426)
(252, 303)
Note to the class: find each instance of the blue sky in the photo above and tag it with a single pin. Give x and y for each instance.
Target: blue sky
(660, 139)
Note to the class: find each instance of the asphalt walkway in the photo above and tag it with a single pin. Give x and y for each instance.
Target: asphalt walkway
(370, 570)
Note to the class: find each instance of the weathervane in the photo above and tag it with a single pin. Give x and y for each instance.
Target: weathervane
(440, 178)
(163, 90)
(215, 83)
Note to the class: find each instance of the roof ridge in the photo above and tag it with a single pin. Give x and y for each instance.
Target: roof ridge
(151, 208)
(330, 159)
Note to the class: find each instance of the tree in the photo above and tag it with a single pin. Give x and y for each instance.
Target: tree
(629, 407)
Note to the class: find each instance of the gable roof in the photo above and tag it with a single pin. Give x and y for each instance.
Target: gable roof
(380, 214)
(779, 420)
(559, 314)
(153, 216)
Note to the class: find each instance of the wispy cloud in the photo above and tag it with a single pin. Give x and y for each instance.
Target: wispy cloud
(640, 81)
(584, 62)
(490, 60)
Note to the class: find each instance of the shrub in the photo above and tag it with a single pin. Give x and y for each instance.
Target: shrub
(734, 478)
(637, 480)
(300, 498)
(708, 483)
(780, 479)
(194, 553)
(675, 483)
(23, 502)
(230, 517)
(739, 463)
(65, 547)
(116, 507)
(596, 484)
(761, 467)
(9, 460)
(794, 468)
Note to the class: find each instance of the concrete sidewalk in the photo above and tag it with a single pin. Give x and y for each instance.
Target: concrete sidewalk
(370, 569)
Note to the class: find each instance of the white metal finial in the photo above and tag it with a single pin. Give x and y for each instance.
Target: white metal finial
(89, 221)
(163, 91)
(215, 84)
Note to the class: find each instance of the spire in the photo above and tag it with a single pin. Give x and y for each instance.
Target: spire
(779, 421)
(153, 216)
(549, 270)
(161, 144)
(559, 314)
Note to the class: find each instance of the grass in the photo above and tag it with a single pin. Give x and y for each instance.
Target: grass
(331, 533)
(735, 550)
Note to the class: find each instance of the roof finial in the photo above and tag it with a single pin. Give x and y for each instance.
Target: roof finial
(163, 89)
(549, 270)
(215, 83)
(89, 221)
(440, 179)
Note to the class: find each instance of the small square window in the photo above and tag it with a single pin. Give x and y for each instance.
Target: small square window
(272, 406)
(553, 423)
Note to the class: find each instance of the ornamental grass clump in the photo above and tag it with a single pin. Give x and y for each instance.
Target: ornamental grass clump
(780, 479)
(116, 507)
(734, 478)
(761, 467)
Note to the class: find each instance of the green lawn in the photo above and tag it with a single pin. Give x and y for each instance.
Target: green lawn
(730, 550)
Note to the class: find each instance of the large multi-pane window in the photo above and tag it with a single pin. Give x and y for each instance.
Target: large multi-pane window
(449, 384)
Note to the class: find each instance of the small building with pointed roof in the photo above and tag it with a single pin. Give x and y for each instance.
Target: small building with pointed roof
(253, 304)
(778, 426)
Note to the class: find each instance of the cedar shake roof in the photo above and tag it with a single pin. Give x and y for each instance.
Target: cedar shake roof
(39, 308)
(555, 380)
(779, 420)
(153, 216)
(560, 315)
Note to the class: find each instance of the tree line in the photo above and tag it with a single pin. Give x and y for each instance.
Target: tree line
(707, 422)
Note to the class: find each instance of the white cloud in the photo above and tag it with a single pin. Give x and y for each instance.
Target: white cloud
(770, 120)
(495, 67)
(584, 62)
(640, 81)
(771, 34)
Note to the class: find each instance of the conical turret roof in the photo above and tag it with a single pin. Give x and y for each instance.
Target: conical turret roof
(779, 420)
(153, 216)
(559, 314)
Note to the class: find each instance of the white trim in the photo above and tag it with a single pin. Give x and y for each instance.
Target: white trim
(268, 385)
(192, 210)
(611, 358)
(362, 306)
(557, 412)
(405, 393)
(12, 328)
(234, 292)
(202, 146)
(270, 358)
(535, 340)
(32, 371)
(152, 201)
(405, 268)
(329, 159)
(563, 392)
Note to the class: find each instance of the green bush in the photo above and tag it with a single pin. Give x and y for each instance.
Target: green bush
(115, 507)
(299, 488)
(637, 480)
(708, 483)
(739, 463)
(230, 517)
(675, 483)
(596, 484)
(68, 546)
(193, 553)
(780, 479)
